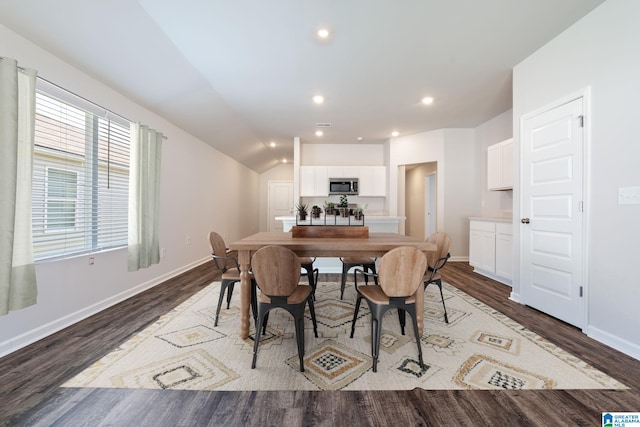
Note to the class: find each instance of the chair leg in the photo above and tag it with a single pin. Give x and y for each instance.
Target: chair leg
(229, 294)
(376, 327)
(223, 287)
(298, 316)
(343, 281)
(262, 312)
(412, 311)
(312, 310)
(264, 323)
(355, 315)
(402, 318)
(446, 318)
(439, 283)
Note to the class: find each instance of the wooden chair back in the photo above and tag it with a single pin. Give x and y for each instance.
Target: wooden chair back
(401, 270)
(219, 249)
(276, 270)
(443, 243)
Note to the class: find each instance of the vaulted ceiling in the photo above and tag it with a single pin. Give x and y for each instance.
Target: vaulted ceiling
(241, 74)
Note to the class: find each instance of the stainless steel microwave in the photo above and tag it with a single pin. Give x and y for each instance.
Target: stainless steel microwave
(348, 186)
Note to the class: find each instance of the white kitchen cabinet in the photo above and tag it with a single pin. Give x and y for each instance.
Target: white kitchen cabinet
(372, 181)
(490, 249)
(500, 165)
(342, 171)
(314, 181)
(504, 245)
(482, 246)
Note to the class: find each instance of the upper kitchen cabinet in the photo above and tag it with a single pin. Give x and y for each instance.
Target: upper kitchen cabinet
(500, 165)
(314, 181)
(373, 181)
(342, 171)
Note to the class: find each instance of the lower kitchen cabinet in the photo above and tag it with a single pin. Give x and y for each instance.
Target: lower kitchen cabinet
(490, 249)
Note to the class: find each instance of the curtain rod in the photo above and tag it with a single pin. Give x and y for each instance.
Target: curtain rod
(81, 97)
(89, 101)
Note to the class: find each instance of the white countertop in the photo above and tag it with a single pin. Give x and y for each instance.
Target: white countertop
(367, 218)
(491, 219)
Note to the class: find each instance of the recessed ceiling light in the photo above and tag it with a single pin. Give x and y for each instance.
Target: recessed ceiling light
(273, 144)
(284, 160)
(319, 133)
(395, 133)
(360, 138)
(427, 100)
(323, 33)
(318, 99)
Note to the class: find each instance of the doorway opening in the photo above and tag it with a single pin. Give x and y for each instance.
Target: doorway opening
(420, 195)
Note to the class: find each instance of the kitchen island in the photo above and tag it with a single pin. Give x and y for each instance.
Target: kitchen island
(376, 224)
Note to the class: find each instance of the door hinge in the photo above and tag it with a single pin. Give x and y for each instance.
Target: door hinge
(581, 121)
(580, 291)
(580, 206)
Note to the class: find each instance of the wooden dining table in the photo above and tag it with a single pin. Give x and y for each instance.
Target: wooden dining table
(375, 245)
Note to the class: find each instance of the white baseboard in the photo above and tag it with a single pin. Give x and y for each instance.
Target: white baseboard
(57, 325)
(500, 279)
(627, 347)
(515, 297)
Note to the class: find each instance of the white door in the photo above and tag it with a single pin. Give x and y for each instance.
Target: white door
(552, 269)
(280, 203)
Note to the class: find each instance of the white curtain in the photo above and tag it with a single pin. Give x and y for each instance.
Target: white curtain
(144, 197)
(17, 118)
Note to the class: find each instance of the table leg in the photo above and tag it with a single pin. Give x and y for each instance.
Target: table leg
(420, 308)
(244, 260)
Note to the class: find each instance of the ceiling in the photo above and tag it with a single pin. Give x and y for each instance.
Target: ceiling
(241, 74)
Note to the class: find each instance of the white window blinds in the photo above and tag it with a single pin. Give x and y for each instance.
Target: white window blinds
(80, 175)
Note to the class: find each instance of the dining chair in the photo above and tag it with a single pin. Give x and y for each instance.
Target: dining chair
(437, 260)
(400, 273)
(367, 263)
(306, 263)
(277, 273)
(230, 274)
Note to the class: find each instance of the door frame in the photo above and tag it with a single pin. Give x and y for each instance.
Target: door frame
(430, 214)
(585, 94)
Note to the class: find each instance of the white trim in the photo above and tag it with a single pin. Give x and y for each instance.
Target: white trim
(613, 341)
(50, 328)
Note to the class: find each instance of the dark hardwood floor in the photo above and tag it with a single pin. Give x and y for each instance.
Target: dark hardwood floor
(30, 378)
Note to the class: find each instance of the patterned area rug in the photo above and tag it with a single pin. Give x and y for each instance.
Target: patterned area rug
(479, 349)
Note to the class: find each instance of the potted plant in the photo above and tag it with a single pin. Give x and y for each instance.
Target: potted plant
(357, 214)
(344, 206)
(315, 211)
(329, 208)
(302, 210)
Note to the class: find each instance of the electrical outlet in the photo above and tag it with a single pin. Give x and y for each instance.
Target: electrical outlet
(92, 260)
(188, 240)
(629, 195)
(163, 252)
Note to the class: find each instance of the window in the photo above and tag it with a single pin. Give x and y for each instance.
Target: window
(62, 197)
(80, 175)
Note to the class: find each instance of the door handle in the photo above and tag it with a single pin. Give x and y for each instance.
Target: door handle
(525, 220)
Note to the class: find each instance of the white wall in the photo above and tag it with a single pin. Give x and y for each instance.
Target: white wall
(458, 158)
(201, 190)
(599, 52)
